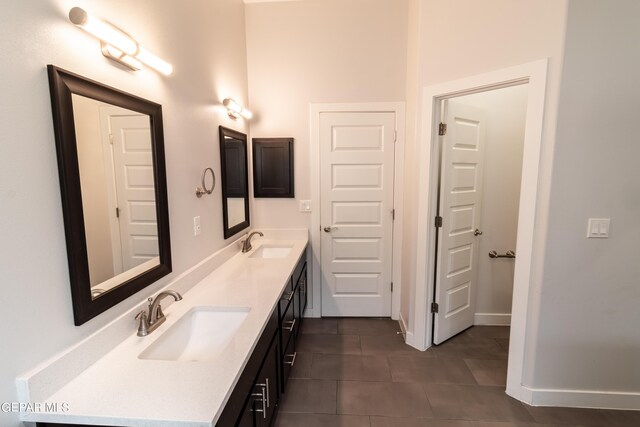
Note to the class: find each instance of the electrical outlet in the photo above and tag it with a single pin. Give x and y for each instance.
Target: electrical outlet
(197, 229)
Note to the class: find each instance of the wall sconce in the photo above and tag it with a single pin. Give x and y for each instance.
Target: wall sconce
(118, 45)
(235, 110)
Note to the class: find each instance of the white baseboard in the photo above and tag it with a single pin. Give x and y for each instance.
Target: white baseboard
(408, 336)
(492, 319)
(581, 398)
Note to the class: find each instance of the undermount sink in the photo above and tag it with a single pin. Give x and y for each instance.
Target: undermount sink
(272, 251)
(199, 336)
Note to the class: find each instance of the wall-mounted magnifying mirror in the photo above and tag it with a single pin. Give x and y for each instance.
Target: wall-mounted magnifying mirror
(234, 181)
(113, 182)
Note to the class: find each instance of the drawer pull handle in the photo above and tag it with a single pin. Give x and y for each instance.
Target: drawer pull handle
(263, 400)
(288, 297)
(290, 328)
(265, 386)
(293, 358)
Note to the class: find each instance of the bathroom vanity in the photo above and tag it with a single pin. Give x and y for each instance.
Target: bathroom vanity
(222, 358)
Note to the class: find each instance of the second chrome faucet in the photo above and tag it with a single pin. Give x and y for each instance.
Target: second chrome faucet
(246, 243)
(153, 317)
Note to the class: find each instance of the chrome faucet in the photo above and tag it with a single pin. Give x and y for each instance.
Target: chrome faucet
(246, 243)
(154, 317)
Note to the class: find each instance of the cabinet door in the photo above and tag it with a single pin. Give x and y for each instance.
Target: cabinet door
(301, 298)
(248, 415)
(266, 390)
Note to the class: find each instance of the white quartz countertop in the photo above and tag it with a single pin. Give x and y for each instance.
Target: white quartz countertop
(122, 390)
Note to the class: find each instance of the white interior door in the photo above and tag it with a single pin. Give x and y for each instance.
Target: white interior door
(135, 190)
(357, 169)
(459, 207)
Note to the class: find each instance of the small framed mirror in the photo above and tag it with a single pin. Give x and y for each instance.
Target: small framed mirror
(234, 181)
(111, 164)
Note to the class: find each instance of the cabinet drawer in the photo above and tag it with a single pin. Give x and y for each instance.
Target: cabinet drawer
(286, 298)
(287, 362)
(288, 324)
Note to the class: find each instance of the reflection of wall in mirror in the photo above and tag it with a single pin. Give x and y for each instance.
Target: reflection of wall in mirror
(235, 211)
(95, 204)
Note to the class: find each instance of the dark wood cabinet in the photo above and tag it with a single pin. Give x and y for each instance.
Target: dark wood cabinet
(273, 167)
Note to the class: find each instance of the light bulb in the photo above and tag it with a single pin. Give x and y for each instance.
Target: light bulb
(153, 61)
(103, 31)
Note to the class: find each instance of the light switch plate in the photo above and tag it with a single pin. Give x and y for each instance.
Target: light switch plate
(305, 206)
(598, 228)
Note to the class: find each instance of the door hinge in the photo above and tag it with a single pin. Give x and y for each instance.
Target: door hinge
(391, 286)
(434, 307)
(111, 138)
(117, 212)
(393, 214)
(438, 221)
(442, 129)
(395, 136)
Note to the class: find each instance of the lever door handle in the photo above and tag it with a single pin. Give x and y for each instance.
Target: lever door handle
(477, 232)
(329, 229)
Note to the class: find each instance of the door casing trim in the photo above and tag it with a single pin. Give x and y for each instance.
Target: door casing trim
(535, 74)
(398, 194)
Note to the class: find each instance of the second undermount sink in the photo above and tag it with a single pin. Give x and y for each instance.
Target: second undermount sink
(199, 336)
(272, 251)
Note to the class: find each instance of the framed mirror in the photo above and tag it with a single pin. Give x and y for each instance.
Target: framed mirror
(234, 181)
(111, 163)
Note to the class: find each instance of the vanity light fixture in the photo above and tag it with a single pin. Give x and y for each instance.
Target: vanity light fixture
(118, 45)
(235, 110)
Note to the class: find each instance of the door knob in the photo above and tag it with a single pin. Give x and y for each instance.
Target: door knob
(330, 229)
(477, 232)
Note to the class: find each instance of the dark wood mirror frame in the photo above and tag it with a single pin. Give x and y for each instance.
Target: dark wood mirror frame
(230, 231)
(62, 85)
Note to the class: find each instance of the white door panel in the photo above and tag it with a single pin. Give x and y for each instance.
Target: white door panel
(357, 160)
(460, 198)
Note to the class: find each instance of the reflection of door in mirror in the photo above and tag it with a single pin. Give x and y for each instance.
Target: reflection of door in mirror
(118, 193)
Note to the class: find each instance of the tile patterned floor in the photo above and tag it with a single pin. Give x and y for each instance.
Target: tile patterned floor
(353, 372)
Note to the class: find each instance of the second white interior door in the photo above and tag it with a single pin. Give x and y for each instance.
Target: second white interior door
(460, 199)
(357, 170)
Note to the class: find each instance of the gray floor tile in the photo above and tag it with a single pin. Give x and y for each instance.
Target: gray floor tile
(368, 326)
(381, 398)
(302, 366)
(489, 331)
(417, 422)
(481, 403)
(329, 344)
(508, 424)
(312, 396)
(320, 326)
(586, 417)
(429, 370)
(350, 367)
(466, 346)
(390, 345)
(503, 343)
(287, 419)
(488, 372)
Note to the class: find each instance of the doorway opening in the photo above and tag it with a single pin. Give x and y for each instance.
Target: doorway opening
(480, 150)
(535, 75)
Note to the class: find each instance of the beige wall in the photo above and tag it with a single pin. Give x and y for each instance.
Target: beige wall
(205, 41)
(505, 120)
(93, 181)
(317, 51)
(587, 317)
